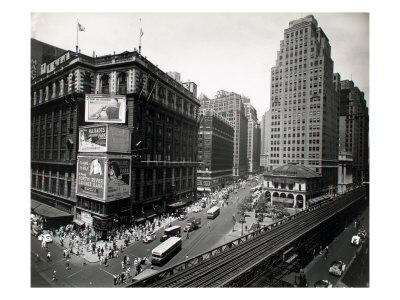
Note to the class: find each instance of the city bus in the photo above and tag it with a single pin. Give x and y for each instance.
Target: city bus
(166, 250)
(171, 231)
(213, 212)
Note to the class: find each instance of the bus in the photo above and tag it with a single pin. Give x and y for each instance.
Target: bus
(213, 212)
(166, 250)
(171, 231)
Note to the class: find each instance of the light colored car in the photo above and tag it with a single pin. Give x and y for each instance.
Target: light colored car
(355, 240)
(149, 238)
(45, 237)
(337, 268)
(323, 284)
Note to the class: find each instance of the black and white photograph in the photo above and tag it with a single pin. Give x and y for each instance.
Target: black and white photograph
(214, 148)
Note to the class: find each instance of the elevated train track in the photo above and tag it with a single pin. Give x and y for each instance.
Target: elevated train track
(229, 264)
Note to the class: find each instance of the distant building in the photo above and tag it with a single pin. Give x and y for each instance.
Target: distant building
(354, 129)
(191, 87)
(265, 139)
(215, 152)
(230, 106)
(42, 53)
(175, 75)
(253, 136)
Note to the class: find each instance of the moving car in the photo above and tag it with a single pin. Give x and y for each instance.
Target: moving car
(337, 268)
(149, 238)
(355, 240)
(192, 224)
(182, 217)
(323, 283)
(45, 237)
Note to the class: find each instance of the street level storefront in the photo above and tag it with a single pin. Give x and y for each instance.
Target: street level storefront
(50, 217)
(292, 185)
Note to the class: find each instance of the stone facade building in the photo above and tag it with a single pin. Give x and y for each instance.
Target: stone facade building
(161, 115)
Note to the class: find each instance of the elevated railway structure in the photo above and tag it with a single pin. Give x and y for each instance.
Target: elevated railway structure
(274, 249)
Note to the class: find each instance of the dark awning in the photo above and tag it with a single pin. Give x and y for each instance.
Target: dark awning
(49, 211)
(34, 204)
(159, 209)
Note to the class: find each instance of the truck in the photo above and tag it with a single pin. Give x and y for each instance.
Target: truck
(192, 224)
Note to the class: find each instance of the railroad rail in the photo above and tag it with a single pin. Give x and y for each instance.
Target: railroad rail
(225, 265)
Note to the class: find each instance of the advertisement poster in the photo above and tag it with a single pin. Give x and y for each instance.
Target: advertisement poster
(93, 139)
(90, 177)
(118, 178)
(104, 108)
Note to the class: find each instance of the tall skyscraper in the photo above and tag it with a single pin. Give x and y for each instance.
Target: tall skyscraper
(304, 108)
(230, 106)
(354, 128)
(253, 136)
(265, 138)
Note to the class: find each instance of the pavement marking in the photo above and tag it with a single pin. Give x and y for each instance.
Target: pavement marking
(107, 272)
(74, 273)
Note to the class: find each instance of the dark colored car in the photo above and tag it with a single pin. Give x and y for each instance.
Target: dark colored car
(323, 284)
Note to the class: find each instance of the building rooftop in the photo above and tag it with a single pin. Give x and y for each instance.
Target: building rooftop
(293, 170)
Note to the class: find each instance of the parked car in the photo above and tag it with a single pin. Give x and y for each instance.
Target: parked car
(337, 268)
(45, 237)
(355, 240)
(323, 283)
(149, 238)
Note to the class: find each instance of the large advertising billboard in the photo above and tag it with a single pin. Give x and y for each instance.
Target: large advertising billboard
(104, 178)
(104, 138)
(118, 178)
(105, 108)
(93, 139)
(90, 177)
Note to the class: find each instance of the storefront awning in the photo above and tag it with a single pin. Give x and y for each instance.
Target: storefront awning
(177, 204)
(34, 204)
(49, 211)
(159, 210)
(79, 222)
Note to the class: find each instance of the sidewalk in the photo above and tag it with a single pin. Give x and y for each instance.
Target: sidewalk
(85, 250)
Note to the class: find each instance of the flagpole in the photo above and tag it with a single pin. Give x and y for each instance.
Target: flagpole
(77, 30)
(140, 36)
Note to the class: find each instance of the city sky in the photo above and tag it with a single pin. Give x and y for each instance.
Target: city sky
(217, 51)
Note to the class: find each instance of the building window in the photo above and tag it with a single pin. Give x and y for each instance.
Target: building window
(121, 84)
(104, 84)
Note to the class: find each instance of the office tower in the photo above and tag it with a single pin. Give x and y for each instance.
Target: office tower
(354, 129)
(230, 106)
(215, 152)
(304, 108)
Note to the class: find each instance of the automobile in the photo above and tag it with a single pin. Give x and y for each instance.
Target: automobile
(45, 237)
(337, 268)
(355, 240)
(149, 238)
(36, 230)
(203, 204)
(181, 217)
(323, 283)
(214, 202)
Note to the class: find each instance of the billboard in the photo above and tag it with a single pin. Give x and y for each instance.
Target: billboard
(104, 138)
(118, 178)
(104, 178)
(105, 108)
(90, 177)
(93, 139)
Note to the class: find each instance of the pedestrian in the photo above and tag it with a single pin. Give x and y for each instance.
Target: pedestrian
(128, 261)
(48, 256)
(67, 267)
(105, 261)
(123, 265)
(54, 275)
(115, 279)
(125, 259)
(187, 235)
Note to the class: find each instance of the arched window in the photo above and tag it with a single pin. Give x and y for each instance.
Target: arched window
(104, 84)
(87, 83)
(121, 84)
